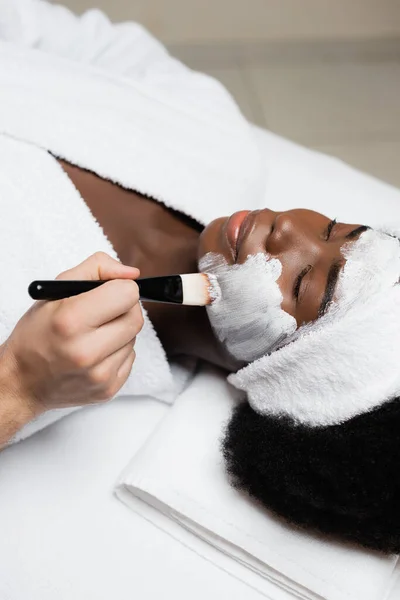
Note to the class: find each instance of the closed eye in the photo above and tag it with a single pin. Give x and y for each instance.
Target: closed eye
(329, 229)
(299, 279)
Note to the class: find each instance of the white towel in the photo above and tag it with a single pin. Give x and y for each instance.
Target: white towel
(180, 472)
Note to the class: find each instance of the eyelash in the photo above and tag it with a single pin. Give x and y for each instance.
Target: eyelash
(329, 229)
(304, 272)
(298, 281)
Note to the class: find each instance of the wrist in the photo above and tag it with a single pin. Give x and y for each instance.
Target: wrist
(16, 406)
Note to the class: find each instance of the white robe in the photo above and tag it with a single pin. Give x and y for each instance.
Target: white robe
(109, 99)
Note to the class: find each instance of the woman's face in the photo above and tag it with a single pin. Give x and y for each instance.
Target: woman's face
(307, 244)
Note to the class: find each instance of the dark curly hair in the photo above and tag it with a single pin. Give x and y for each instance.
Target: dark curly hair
(341, 480)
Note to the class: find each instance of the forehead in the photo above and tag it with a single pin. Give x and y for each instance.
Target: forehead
(372, 262)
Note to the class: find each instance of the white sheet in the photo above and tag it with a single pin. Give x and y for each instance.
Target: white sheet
(65, 536)
(301, 178)
(180, 472)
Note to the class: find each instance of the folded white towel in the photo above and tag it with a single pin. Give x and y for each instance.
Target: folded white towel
(180, 472)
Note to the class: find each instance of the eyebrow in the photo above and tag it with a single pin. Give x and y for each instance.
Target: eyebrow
(333, 273)
(357, 231)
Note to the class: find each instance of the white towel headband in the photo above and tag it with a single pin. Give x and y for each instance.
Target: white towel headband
(348, 361)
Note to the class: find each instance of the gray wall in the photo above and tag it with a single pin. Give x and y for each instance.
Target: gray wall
(199, 21)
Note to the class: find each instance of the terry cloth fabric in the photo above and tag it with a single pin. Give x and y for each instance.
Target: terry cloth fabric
(153, 125)
(150, 124)
(47, 228)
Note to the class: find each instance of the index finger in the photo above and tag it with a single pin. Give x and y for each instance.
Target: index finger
(104, 303)
(100, 265)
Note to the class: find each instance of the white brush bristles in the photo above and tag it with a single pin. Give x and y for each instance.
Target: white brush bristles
(199, 289)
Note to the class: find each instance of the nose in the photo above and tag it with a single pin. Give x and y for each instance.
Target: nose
(289, 231)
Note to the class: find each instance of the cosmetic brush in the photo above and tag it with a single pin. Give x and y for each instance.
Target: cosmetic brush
(193, 289)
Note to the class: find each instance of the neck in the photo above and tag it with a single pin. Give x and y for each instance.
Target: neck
(172, 248)
(183, 330)
(159, 241)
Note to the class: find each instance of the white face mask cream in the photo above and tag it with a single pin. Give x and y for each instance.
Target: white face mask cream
(371, 266)
(247, 318)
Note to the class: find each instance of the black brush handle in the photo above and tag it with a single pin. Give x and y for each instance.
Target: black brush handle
(154, 289)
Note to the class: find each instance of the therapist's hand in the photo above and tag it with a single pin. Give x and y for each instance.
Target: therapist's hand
(78, 350)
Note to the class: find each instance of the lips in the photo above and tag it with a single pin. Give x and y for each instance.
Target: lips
(234, 228)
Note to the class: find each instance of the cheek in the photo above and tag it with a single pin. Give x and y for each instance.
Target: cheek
(286, 280)
(307, 309)
(249, 319)
(293, 262)
(285, 287)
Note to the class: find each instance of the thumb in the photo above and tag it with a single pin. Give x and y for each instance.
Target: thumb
(100, 265)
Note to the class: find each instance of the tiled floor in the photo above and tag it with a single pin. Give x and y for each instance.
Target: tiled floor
(343, 99)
